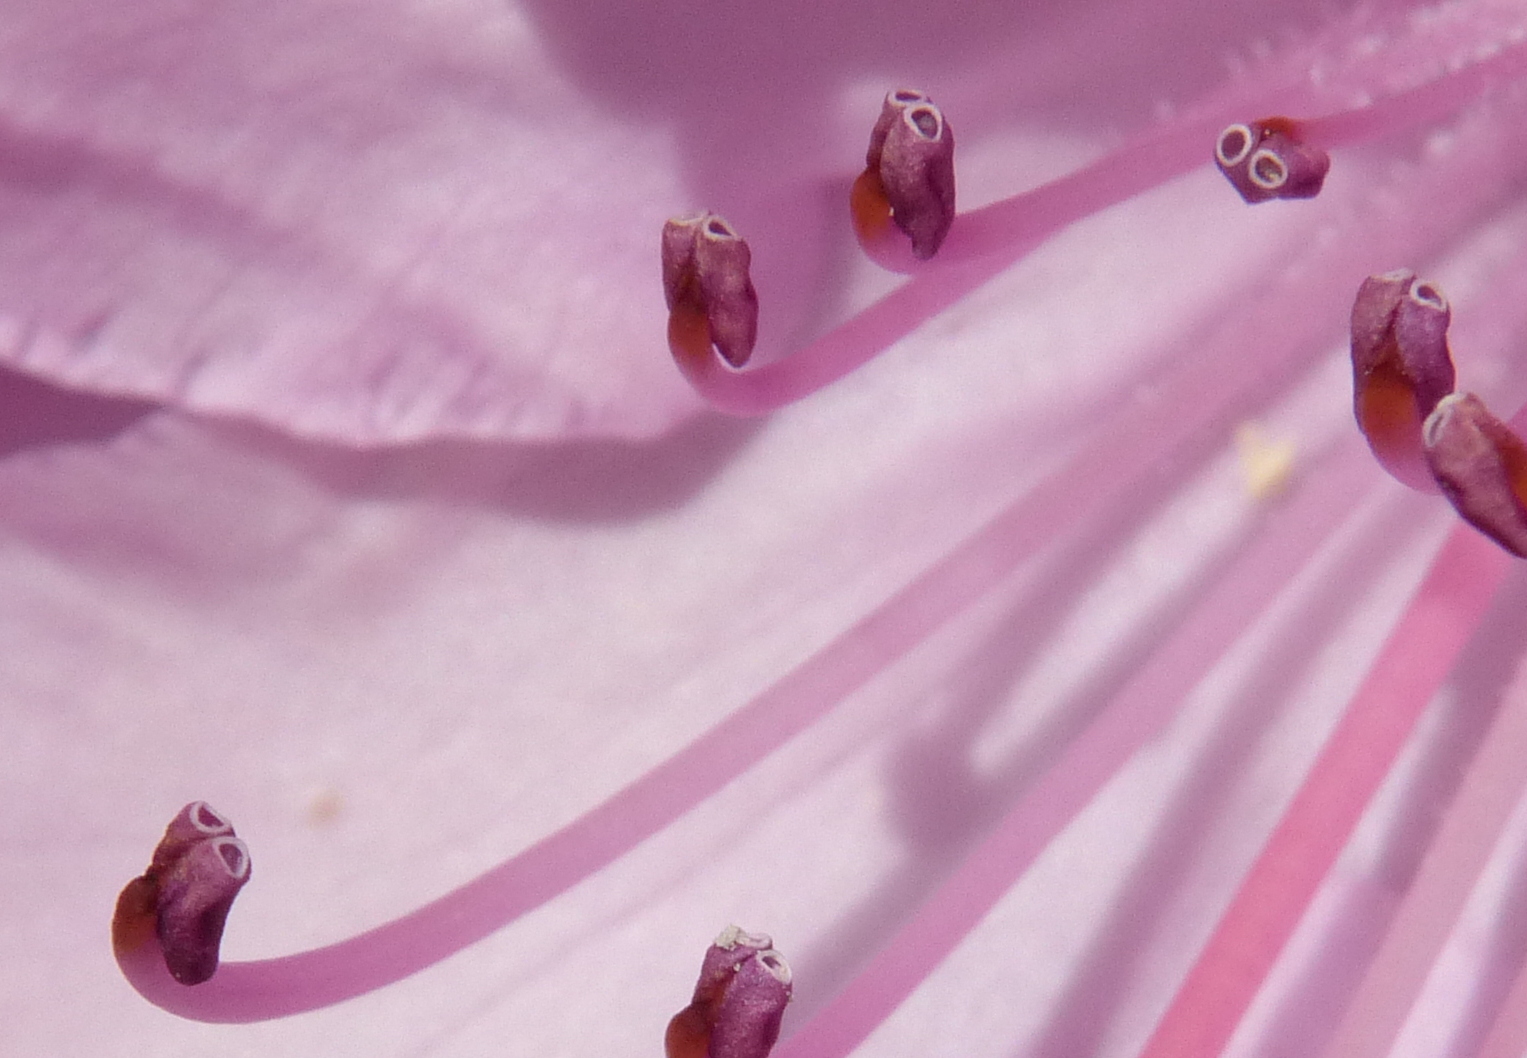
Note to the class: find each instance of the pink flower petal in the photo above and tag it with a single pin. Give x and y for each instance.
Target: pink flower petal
(394, 669)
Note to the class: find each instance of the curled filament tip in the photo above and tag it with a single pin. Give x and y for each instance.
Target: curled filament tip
(706, 282)
(1401, 369)
(908, 177)
(1269, 159)
(741, 996)
(181, 901)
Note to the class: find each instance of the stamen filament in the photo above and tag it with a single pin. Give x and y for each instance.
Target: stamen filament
(272, 988)
(1463, 843)
(1263, 566)
(1272, 899)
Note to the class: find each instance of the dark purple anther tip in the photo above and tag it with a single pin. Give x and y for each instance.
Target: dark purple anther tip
(912, 150)
(706, 277)
(739, 1000)
(1482, 468)
(1267, 159)
(197, 869)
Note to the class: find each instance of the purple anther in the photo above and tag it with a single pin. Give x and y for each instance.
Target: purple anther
(1482, 468)
(706, 275)
(1401, 368)
(747, 1019)
(912, 150)
(1267, 159)
(739, 999)
(1400, 322)
(194, 897)
(182, 900)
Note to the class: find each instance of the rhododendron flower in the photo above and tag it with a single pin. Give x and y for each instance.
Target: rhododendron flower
(1053, 672)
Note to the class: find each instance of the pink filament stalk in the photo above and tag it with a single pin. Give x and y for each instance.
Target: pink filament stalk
(1270, 902)
(1281, 547)
(1468, 833)
(987, 241)
(1197, 399)
(1508, 1034)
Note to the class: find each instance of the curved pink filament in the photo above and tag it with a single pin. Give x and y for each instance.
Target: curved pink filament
(1132, 444)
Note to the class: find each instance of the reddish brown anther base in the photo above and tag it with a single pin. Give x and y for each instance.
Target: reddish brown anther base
(688, 1034)
(1385, 407)
(689, 336)
(136, 914)
(869, 209)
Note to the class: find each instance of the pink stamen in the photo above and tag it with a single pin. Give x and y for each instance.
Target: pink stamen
(1468, 834)
(1263, 567)
(1270, 902)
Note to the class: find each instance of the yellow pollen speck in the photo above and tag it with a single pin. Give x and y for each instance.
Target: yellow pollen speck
(323, 807)
(1266, 464)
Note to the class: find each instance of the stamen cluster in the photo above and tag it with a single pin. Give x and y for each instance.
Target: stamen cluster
(908, 181)
(1422, 431)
